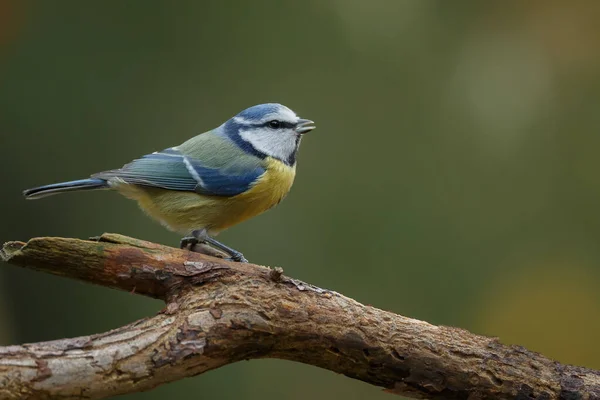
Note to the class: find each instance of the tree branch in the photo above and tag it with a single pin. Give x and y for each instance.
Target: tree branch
(219, 312)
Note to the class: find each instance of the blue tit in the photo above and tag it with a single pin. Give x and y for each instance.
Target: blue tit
(212, 181)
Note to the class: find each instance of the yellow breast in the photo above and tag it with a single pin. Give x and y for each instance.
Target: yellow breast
(268, 191)
(186, 211)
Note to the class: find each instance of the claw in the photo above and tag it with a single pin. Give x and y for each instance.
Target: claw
(188, 241)
(238, 257)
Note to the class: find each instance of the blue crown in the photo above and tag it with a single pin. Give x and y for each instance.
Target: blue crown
(256, 113)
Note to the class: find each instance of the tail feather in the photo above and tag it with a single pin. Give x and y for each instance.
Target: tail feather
(48, 190)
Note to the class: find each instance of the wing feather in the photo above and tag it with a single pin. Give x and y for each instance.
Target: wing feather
(171, 170)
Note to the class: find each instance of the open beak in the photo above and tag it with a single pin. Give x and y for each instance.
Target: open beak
(304, 125)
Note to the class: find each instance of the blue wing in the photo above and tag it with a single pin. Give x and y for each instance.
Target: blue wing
(169, 169)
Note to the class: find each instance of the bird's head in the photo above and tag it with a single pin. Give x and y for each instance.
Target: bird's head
(270, 130)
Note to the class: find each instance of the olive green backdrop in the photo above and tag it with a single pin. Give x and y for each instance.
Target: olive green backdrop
(454, 176)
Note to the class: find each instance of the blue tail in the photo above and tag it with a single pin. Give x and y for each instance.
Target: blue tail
(48, 190)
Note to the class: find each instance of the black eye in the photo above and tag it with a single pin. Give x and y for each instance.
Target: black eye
(275, 124)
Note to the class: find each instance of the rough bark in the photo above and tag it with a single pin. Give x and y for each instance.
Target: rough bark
(218, 312)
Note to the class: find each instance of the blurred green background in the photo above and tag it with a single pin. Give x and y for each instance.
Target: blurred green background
(454, 176)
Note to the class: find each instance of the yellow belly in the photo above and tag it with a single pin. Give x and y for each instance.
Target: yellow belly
(185, 211)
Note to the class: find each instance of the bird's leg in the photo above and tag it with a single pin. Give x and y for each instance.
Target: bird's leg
(234, 254)
(201, 236)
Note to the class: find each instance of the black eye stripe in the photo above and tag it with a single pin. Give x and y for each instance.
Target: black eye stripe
(282, 125)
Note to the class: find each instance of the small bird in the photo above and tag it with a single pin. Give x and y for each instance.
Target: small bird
(212, 181)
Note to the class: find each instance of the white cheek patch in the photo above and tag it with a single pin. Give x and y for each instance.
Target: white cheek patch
(280, 144)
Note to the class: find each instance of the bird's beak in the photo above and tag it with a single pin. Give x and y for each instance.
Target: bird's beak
(304, 125)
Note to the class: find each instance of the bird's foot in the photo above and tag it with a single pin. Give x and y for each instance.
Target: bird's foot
(237, 257)
(188, 242)
(201, 236)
